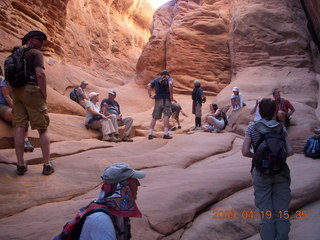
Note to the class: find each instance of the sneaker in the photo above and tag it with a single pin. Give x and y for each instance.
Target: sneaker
(150, 137)
(27, 146)
(116, 138)
(47, 169)
(197, 128)
(167, 136)
(21, 170)
(127, 139)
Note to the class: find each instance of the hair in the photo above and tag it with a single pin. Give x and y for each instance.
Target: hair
(214, 106)
(197, 83)
(275, 91)
(267, 108)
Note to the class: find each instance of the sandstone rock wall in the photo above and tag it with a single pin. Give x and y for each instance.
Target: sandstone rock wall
(190, 38)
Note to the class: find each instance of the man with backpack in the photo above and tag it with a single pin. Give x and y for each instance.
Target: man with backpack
(29, 97)
(79, 95)
(284, 108)
(163, 97)
(107, 217)
(270, 173)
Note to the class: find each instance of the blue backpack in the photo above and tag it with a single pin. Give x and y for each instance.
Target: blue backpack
(312, 148)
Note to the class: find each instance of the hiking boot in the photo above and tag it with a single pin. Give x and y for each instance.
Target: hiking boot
(21, 170)
(167, 136)
(108, 138)
(150, 137)
(27, 146)
(116, 138)
(127, 139)
(47, 169)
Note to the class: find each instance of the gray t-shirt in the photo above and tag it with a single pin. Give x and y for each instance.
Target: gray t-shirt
(89, 115)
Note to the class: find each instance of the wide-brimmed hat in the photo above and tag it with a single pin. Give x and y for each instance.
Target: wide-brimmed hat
(113, 92)
(93, 94)
(33, 33)
(119, 172)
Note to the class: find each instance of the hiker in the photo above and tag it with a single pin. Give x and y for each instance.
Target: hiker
(255, 111)
(108, 216)
(29, 103)
(197, 99)
(98, 121)
(163, 97)
(79, 95)
(6, 105)
(271, 182)
(112, 107)
(236, 99)
(176, 109)
(283, 106)
(215, 120)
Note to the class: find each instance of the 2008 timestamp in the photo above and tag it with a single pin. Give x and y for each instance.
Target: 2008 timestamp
(251, 214)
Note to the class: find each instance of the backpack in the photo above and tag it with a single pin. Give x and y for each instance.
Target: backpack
(15, 68)
(73, 95)
(73, 228)
(270, 153)
(225, 119)
(312, 148)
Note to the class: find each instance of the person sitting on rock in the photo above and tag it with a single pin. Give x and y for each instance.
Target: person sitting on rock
(236, 99)
(271, 188)
(109, 106)
(6, 105)
(215, 121)
(283, 106)
(176, 109)
(79, 95)
(197, 99)
(98, 121)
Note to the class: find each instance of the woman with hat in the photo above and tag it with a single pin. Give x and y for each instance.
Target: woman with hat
(236, 99)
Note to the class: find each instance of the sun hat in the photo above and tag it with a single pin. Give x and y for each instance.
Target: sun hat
(84, 82)
(33, 33)
(93, 94)
(235, 89)
(113, 92)
(119, 172)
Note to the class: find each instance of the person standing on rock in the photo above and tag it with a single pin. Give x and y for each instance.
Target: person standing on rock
(284, 108)
(98, 121)
(197, 99)
(163, 97)
(110, 106)
(30, 105)
(270, 179)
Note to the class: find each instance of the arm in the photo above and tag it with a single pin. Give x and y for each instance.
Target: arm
(6, 95)
(241, 100)
(292, 109)
(254, 108)
(246, 147)
(171, 90)
(92, 111)
(104, 109)
(217, 113)
(42, 81)
(149, 91)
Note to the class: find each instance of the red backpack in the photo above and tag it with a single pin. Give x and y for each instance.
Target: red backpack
(73, 228)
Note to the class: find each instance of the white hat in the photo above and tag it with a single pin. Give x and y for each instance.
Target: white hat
(235, 89)
(119, 172)
(113, 92)
(93, 94)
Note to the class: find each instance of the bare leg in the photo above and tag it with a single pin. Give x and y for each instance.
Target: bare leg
(44, 145)
(19, 134)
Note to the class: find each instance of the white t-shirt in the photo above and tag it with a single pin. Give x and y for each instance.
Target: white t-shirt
(95, 107)
(98, 226)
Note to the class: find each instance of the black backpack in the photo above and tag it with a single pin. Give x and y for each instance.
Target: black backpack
(225, 119)
(312, 148)
(74, 96)
(15, 68)
(270, 153)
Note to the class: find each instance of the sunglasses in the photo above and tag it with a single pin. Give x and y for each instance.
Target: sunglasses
(38, 38)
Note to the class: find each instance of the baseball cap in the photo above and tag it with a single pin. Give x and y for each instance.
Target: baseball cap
(119, 172)
(33, 33)
(165, 72)
(113, 92)
(93, 94)
(235, 89)
(84, 82)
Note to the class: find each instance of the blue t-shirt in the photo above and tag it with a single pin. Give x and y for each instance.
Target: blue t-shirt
(113, 107)
(162, 90)
(3, 83)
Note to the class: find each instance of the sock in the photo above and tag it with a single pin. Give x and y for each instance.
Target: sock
(166, 131)
(150, 131)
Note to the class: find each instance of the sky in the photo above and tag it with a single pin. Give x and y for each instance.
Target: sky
(157, 3)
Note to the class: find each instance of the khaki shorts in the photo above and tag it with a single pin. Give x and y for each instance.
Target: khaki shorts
(29, 105)
(3, 110)
(161, 106)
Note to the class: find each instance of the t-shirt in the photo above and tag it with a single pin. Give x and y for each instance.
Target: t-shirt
(113, 107)
(162, 90)
(80, 92)
(283, 105)
(89, 115)
(175, 107)
(239, 96)
(98, 226)
(34, 58)
(3, 83)
(197, 94)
